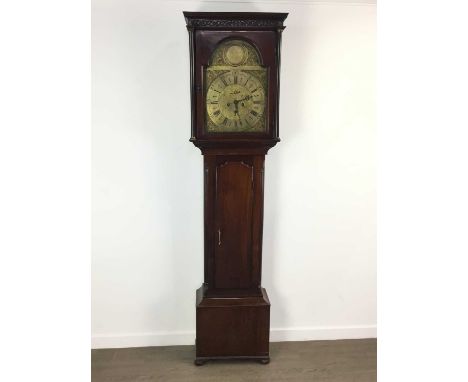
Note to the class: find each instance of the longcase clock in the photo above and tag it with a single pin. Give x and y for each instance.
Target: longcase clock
(234, 74)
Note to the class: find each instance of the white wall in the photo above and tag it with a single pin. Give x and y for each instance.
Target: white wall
(319, 257)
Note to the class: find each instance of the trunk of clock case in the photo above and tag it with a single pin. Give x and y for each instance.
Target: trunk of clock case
(233, 224)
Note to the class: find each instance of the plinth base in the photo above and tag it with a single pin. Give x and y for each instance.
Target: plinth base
(232, 328)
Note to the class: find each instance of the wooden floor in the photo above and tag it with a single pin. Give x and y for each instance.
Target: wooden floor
(317, 361)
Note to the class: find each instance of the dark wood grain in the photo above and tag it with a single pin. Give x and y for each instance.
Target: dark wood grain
(234, 207)
(233, 327)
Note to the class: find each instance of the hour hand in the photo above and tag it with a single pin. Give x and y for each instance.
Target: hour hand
(236, 107)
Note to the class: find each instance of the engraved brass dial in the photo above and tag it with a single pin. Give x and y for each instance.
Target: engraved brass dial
(235, 89)
(235, 101)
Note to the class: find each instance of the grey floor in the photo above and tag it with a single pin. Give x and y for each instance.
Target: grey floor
(330, 361)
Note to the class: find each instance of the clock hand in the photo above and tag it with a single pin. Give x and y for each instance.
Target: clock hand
(246, 98)
(236, 111)
(236, 104)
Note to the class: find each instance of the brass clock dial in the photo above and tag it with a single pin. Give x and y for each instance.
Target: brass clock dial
(235, 89)
(235, 101)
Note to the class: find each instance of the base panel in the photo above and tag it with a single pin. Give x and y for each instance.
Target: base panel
(232, 328)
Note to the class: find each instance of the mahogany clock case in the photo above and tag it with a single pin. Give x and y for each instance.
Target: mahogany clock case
(232, 309)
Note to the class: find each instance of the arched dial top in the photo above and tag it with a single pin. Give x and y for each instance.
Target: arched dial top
(236, 89)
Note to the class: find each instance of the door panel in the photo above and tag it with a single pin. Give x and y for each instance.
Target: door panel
(233, 236)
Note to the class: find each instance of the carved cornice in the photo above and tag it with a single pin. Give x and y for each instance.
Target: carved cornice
(218, 23)
(234, 20)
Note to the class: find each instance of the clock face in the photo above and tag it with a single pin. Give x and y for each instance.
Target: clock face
(235, 101)
(235, 89)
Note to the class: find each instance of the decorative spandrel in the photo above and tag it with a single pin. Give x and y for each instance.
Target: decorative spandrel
(235, 89)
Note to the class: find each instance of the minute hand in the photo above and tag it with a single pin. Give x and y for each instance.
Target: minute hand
(245, 98)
